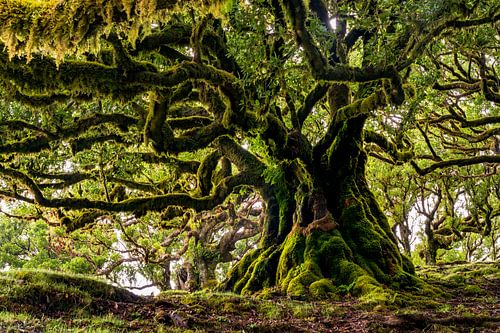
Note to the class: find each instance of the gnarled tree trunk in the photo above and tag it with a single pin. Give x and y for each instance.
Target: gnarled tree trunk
(330, 234)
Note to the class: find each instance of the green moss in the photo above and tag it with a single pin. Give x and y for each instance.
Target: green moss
(237, 274)
(261, 273)
(292, 255)
(321, 289)
(299, 285)
(473, 290)
(456, 278)
(404, 280)
(296, 289)
(348, 272)
(361, 229)
(54, 291)
(370, 291)
(331, 252)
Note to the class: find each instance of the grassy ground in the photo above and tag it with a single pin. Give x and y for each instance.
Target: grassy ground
(461, 298)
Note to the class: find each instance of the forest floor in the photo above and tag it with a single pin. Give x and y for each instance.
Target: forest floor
(37, 301)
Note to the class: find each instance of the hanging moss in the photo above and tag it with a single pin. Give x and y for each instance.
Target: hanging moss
(59, 28)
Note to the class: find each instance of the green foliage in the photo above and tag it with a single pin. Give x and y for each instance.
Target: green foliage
(26, 244)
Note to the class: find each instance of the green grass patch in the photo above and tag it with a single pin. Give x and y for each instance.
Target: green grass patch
(55, 291)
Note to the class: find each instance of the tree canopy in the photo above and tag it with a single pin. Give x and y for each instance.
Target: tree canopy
(212, 122)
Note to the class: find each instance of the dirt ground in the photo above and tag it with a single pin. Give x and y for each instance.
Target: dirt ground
(470, 303)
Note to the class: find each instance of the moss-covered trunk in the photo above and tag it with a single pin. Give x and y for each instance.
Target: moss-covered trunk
(328, 234)
(337, 238)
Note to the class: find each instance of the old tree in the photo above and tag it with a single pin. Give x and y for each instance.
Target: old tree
(116, 109)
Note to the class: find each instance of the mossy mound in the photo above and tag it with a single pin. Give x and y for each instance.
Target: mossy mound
(453, 274)
(55, 291)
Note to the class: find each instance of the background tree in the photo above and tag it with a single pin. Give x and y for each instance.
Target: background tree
(146, 106)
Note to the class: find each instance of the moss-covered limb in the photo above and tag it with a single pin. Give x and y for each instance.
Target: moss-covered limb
(121, 57)
(216, 105)
(172, 54)
(472, 87)
(42, 142)
(489, 94)
(82, 219)
(68, 179)
(65, 179)
(183, 166)
(154, 188)
(81, 144)
(197, 34)
(27, 145)
(242, 158)
(20, 125)
(175, 34)
(183, 111)
(147, 203)
(156, 129)
(479, 137)
(312, 98)
(216, 43)
(225, 170)
(353, 74)
(19, 177)
(16, 196)
(296, 13)
(198, 138)
(419, 40)
(189, 122)
(122, 121)
(41, 76)
(362, 106)
(186, 71)
(480, 121)
(47, 99)
(339, 96)
(205, 173)
(456, 162)
(388, 146)
(179, 35)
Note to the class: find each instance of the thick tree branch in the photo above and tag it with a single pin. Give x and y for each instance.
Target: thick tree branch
(388, 146)
(456, 162)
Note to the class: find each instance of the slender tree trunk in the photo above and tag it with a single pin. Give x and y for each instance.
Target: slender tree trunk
(432, 245)
(165, 284)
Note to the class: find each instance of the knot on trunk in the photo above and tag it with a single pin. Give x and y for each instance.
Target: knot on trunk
(325, 224)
